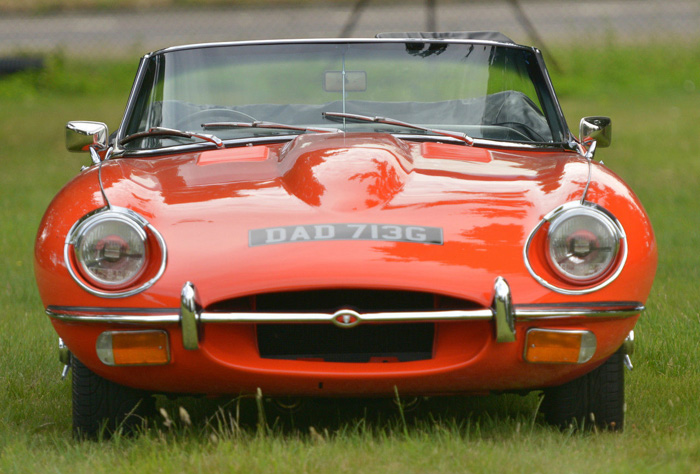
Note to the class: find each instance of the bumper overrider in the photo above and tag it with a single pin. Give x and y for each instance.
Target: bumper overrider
(542, 345)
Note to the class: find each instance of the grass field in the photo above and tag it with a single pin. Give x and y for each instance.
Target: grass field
(654, 99)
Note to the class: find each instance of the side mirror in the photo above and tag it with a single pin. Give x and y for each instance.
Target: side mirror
(598, 129)
(87, 136)
(81, 136)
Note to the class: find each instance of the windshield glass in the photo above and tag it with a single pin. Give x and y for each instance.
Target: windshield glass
(486, 91)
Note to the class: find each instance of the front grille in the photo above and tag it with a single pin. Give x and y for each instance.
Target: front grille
(400, 342)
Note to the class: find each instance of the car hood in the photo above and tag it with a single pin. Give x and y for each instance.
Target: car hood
(207, 206)
(345, 173)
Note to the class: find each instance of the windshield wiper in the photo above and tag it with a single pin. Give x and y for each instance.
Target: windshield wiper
(273, 125)
(171, 132)
(389, 121)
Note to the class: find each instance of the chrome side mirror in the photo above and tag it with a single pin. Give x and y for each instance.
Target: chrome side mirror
(598, 129)
(87, 136)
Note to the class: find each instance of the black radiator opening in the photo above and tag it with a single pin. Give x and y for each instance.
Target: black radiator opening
(385, 342)
(366, 343)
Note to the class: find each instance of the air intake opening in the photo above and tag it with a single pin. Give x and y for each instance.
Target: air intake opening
(399, 342)
(367, 343)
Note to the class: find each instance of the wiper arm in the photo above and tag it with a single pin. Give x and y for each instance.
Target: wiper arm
(171, 132)
(273, 125)
(389, 121)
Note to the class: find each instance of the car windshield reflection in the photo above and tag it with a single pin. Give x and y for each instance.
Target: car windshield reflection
(481, 90)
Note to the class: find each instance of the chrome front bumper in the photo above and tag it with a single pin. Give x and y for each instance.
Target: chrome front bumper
(190, 317)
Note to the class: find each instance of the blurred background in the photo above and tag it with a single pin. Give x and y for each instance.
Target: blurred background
(637, 61)
(104, 28)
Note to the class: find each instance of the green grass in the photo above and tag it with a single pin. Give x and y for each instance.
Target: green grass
(653, 98)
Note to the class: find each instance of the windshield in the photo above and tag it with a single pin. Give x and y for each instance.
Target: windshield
(485, 91)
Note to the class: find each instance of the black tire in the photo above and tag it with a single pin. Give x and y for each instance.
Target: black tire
(102, 407)
(595, 400)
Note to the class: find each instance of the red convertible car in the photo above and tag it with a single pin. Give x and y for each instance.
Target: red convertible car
(345, 218)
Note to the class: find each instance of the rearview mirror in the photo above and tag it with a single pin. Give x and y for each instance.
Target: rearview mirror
(355, 81)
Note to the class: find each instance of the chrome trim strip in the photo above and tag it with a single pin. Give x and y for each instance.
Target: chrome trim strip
(263, 318)
(152, 319)
(131, 101)
(555, 104)
(383, 317)
(503, 313)
(97, 310)
(340, 40)
(552, 215)
(613, 310)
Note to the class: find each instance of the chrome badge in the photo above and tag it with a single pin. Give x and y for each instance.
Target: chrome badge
(346, 318)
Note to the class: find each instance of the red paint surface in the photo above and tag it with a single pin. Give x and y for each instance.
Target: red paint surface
(486, 209)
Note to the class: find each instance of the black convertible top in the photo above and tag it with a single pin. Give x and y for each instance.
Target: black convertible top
(475, 35)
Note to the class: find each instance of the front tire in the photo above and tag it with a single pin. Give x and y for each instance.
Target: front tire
(595, 400)
(102, 407)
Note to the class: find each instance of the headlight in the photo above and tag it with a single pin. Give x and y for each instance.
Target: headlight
(582, 244)
(576, 249)
(114, 253)
(111, 251)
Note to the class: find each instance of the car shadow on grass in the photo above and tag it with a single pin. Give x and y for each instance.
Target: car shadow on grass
(319, 417)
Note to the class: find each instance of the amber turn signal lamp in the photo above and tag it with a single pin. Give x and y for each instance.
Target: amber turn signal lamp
(556, 346)
(133, 348)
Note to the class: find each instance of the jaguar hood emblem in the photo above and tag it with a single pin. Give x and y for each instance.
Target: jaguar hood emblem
(346, 318)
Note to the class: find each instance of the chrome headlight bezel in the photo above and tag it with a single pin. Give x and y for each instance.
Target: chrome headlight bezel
(139, 281)
(558, 279)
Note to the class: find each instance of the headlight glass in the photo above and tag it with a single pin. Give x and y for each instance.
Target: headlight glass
(582, 245)
(111, 251)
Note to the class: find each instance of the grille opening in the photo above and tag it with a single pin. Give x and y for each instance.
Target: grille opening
(399, 342)
(367, 343)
